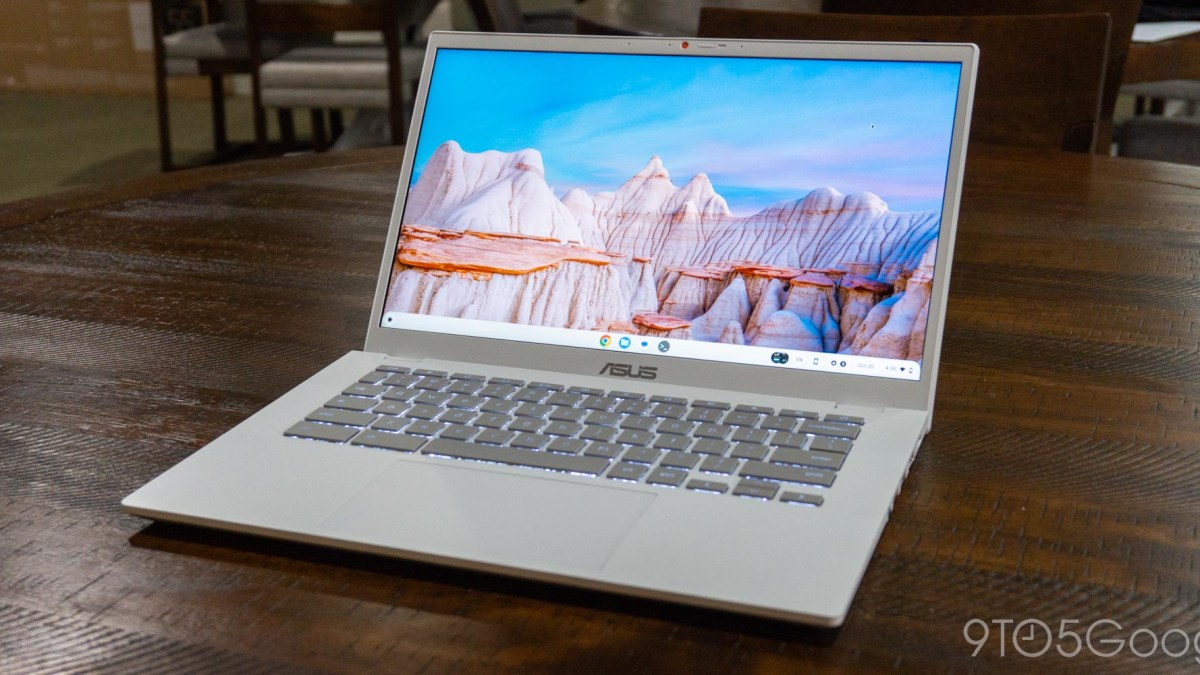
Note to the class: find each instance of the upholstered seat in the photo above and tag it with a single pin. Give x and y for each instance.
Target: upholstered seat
(333, 76)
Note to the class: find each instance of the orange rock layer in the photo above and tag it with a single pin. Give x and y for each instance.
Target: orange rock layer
(472, 252)
(660, 321)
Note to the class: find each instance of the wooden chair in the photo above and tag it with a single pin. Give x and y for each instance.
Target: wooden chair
(1039, 79)
(217, 48)
(1123, 13)
(322, 75)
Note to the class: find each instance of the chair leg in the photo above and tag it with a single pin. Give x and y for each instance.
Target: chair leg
(220, 129)
(164, 121)
(320, 140)
(260, 117)
(336, 124)
(287, 129)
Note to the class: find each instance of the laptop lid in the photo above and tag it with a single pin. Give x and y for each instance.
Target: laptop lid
(760, 216)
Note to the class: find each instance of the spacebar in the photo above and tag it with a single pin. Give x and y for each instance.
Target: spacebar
(446, 447)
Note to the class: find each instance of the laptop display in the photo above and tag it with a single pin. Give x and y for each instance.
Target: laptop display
(782, 213)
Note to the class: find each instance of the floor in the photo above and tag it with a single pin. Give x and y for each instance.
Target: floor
(52, 141)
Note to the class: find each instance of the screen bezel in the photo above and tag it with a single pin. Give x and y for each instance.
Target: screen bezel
(861, 390)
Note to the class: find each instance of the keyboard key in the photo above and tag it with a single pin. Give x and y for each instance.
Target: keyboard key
(468, 376)
(717, 431)
(499, 405)
(639, 423)
(673, 400)
(756, 489)
(459, 432)
(599, 403)
(527, 424)
(742, 419)
(547, 385)
(402, 380)
(748, 435)
(806, 414)
(606, 450)
(321, 432)
(800, 498)
(591, 466)
(586, 391)
(379, 439)
(603, 418)
(680, 460)
(628, 471)
(756, 409)
(828, 444)
(668, 410)
(672, 442)
(708, 486)
(437, 398)
(641, 455)
(492, 421)
(531, 441)
(423, 412)
(567, 415)
(457, 417)
(430, 373)
(424, 428)
(565, 398)
(374, 377)
(595, 433)
(749, 451)
(710, 446)
(363, 389)
(715, 405)
(665, 476)
(635, 437)
(350, 418)
(433, 383)
(820, 460)
(494, 436)
(563, 429)
(465, 387)
(536, 410)
(390, 408)
(785, 439)
(465, 402)
(531, 395)
(711, 415)
(389, 368)
(787, 474)
(497, 391)
(350, 403)
(567, 446)
(680, 427)
(846, 419)
(634, 407)
(777, 423)
(507, 381)
(721, 465)
(400, 394)
(624, 395)
(389, 423)
(836, 429)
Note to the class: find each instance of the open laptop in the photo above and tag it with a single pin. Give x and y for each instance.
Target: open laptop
(655, 316)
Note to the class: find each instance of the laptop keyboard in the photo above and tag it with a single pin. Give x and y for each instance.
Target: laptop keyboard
(784, 455)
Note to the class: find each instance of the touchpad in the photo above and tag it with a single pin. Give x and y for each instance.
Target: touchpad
(477, 514)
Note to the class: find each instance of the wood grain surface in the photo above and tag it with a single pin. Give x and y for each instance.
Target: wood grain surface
(1061, 481)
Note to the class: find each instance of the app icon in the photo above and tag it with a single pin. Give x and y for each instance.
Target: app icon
(664, 346)
(624, 342)
(779, 357)
(605, 340)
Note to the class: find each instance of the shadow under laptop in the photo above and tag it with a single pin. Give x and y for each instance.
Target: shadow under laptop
(265, 553)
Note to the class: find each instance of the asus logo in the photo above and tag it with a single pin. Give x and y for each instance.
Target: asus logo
(626, 370)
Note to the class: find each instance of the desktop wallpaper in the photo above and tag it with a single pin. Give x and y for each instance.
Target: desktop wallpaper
(776, 203)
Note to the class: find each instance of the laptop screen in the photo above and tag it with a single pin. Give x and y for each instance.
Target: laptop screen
(775, 212)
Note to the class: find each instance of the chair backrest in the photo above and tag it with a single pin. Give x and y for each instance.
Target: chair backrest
(1123, 13)
(1039, 77)
(497, 16)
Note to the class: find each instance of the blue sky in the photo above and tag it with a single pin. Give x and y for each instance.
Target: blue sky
(763, 130)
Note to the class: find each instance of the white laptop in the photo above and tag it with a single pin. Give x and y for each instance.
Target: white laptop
(658, 317)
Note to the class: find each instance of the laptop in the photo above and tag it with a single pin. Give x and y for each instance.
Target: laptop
(657, 317)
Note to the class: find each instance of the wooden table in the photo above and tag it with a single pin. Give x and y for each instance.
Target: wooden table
(1060, 483)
